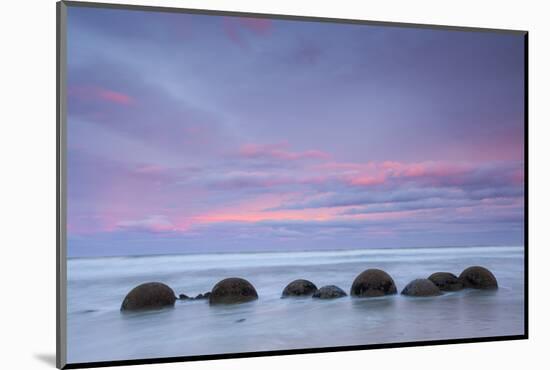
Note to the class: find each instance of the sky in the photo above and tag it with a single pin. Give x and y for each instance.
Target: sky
(198, 134)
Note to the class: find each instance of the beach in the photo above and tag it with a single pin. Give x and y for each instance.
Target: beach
(98, 331)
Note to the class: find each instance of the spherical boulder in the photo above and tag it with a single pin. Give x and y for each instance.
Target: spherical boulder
(421, 288)
(232, 290)
(478, 277)
(329, 292)
(446, 281)
(373, 283)
(148, 296)
(299, 288)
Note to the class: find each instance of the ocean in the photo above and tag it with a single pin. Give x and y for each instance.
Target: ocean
(98, 331)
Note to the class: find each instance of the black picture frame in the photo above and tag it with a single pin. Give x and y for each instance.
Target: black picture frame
(61, 147)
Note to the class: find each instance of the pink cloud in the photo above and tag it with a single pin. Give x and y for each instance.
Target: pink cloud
(279, 151)
(259, 209)
(375, 173)
(100, 93)
(114, 96)
(340, 166)
(234, 27)
(258, 26)
(431, 173)
(367, 180)
(314, 180)
(154, 223)
(232, 32)
(149, 169)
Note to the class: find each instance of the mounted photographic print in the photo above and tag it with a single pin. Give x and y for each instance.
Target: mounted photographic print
(235, 184)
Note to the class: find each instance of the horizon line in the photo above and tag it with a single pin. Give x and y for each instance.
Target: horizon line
(293, 251)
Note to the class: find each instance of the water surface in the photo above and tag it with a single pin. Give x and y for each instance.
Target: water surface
(97, 331)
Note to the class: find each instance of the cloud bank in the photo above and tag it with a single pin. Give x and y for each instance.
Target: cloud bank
(191, 133)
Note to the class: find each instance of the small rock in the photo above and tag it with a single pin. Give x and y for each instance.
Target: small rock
(329, 292)
(203, 296)
(421, 288)
(183, 296)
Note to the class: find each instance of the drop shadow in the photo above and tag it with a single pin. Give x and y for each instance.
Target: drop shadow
(46, 358)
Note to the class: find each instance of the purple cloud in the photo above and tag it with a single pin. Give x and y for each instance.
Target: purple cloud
(279, 151)
(307, 135)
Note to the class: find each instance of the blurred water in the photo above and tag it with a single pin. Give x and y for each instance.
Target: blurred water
(97, 331)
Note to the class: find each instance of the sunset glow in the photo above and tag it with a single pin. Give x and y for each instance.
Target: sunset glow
(212, 132)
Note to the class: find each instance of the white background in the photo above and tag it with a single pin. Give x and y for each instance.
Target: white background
(27, 196)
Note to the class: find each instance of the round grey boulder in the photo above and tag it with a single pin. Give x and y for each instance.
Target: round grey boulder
(478, 277)
(232, 290)
(329, 292)
(148, 296)
(299, 288)
(421, 288)
(373, 283)
(446, 281)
